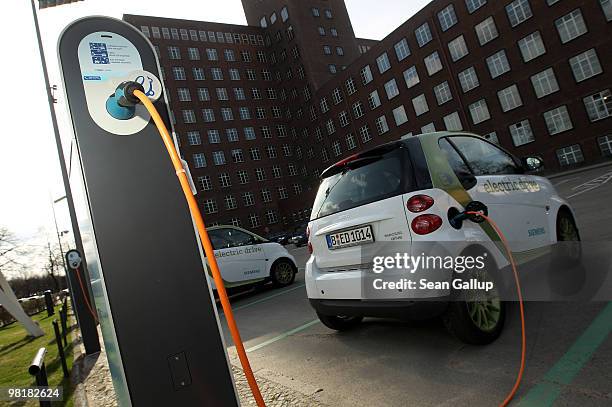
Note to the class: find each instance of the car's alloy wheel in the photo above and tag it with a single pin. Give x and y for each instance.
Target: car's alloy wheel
(485, 310)
(283, 273)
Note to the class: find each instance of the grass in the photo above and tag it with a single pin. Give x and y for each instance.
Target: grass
(17, 350)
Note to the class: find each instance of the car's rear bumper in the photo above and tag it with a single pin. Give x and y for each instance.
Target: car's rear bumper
(422, 309)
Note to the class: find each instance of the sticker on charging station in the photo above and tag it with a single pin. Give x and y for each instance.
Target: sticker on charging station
(107, 59)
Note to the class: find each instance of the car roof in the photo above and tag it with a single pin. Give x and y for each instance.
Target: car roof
(407, 140)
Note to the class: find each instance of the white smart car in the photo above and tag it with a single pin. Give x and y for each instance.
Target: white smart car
(408, 193)
(245, 258)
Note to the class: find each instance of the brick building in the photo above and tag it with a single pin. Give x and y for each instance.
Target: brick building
(261, 109)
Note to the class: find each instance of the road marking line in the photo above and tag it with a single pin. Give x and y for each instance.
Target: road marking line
(564, 181)
(283, 335)
(570, 364)
(592, 184)
(297, 287)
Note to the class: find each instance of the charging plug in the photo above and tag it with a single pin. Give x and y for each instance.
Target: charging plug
(121, 104)
(456, 218)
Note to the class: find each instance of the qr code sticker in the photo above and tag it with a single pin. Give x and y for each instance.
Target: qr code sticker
(99, 54)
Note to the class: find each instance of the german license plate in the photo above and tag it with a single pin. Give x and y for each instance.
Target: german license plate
(351, 237)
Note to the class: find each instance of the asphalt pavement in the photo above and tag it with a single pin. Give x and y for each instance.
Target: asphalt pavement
(398, 363)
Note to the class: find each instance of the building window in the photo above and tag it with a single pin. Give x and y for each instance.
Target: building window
(402, 51)
(324, 105)
(473, 5)
(340, 51)
(178, 72)
(213, 137)
(194, 54)
(193, 138)
(183, 94)
(468, 79)
(189, 116)
(245, 113)
(599, 105)
(498, 64)
(249, 133)
(284, 14)
(209, 115)
(266, 196)
(248, 198)
(399, 114)
(203, 94)
(605, 145)
(211, 54)
(558, 120)
(411, 76)
(199, 161)
(443, 93)
(174, 53)
(433, 63)
(428, 128)
(447, 17)
(327, 50)
(373, 100)
(532, 46)
(217, 74)
(521, 133)
(230, 202)
(364, 133)
(332, 68)
(452, 122)
(282, 193)
(420, 105)
(210, 206)
(492, 137)
(239, 94)
(328, 14)
(366, 75)
(423, 35)
(509, 98)
(383, 63)
(518, 11)
(336, 149)
(458, 48)
(381, 125)
(391, 89)
(234, 74)
(606, 7)
(350, 86)
(343, 118)
(585, 65)
(254, 220)
(333, 32)
(486, 31)
(232, 135)
(329, 125)
(479, 111)
(351, 144)
(357, 109)
(337, 96)
(204, 183)
(544, 83)
(145, 31)
(570, 155)
(218, 157)
(571, 26)
(321, 31)
(229, 55)
(222, 94)
(271, 217)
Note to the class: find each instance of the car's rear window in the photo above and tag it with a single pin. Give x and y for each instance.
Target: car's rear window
(377, 177)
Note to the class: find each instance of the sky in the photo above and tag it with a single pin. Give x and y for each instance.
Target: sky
(30, 178)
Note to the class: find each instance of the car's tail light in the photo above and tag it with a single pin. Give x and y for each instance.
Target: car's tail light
(424, 224)
(419, 203)
(308, 237)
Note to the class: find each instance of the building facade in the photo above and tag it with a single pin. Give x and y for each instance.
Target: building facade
(261, 109)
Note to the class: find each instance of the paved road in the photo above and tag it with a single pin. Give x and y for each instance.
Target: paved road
(393, 363)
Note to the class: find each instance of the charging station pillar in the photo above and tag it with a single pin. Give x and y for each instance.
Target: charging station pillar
(157, 314)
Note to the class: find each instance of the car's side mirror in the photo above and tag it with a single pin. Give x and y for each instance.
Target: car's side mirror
(533, 163)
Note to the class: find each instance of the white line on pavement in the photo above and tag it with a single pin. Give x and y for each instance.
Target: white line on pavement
(269, 297)
(283, 335)
(592, 184)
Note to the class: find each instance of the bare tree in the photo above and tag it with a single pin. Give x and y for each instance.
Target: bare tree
(54, 264)
(9, 251)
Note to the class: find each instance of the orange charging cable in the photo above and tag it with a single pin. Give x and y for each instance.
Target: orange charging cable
(94, 314)
(208, 249)
(519, 376)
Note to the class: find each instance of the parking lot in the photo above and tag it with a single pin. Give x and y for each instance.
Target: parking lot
(388, 362)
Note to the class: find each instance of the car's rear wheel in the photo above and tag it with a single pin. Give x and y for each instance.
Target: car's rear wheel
(476, 316)
(339, 322)
(283, 273)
